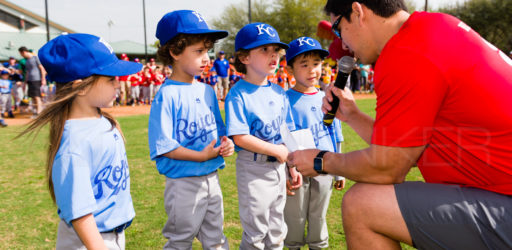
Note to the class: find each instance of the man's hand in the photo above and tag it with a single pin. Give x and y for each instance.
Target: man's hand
(303, 160)
(347, 107)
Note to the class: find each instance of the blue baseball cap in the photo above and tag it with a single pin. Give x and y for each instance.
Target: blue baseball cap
(184, 22)
(257, 34)
(4, 72)
(302, 45)
(71, 57)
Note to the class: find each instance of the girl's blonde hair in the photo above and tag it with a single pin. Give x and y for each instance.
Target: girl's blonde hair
(56, 113)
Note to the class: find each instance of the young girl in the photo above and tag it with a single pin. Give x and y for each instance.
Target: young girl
(86, 165)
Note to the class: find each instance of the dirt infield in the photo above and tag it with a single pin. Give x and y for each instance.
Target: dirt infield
(24, 118)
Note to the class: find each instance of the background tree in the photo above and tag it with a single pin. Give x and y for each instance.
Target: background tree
(235, 16)
(492, 19)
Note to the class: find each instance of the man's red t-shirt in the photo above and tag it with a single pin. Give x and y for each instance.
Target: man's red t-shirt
(440, 84)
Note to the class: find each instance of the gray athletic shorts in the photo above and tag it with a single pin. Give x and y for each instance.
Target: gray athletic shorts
(452, 217)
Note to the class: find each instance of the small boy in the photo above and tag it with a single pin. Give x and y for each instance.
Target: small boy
(187, 135)
(212, 81)
(310, 201)
(255, 110)
(5, 94)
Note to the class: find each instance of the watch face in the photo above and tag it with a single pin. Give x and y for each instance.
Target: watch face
(318, 164)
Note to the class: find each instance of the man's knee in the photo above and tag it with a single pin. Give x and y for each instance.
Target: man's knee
(352, 200)
(363, 199)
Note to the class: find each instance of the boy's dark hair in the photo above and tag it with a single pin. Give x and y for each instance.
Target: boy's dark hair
(239, 66)
(383, 8)
(22, 49)
(178, 44)
(305, 55)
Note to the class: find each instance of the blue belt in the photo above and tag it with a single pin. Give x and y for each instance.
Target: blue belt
(269, 158)
(120, 228)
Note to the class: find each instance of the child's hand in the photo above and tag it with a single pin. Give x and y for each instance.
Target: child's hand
(289, 188)
(210, 152)
(281, 153)
(227, 147)
(294, 183)
(339, 185)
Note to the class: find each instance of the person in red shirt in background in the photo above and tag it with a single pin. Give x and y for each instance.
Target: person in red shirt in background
(135, 81)
(125, 84)
(443, 104)
(146, 85)
(159, 78)
(152, 64)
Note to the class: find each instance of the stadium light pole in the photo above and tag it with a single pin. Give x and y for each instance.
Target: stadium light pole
(250, 21)
(47, 21)
(145, 39)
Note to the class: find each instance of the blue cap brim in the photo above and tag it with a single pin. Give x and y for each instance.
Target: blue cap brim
(323, 53)
(120, 68)
(219, 34)
(265, 42)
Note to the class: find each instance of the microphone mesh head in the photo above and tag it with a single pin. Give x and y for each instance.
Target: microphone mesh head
(346, 64)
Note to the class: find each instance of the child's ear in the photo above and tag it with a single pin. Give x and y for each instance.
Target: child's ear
(174, 56)
(244, 59)
(76, 83)
(289, 69)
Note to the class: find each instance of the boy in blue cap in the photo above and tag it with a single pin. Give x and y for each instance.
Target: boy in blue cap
(87, 166)
(187, 135)
(5, 94)
(255, 110)
(310, 202)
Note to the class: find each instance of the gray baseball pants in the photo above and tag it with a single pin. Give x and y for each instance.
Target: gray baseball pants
(194, 209)
(261, 199)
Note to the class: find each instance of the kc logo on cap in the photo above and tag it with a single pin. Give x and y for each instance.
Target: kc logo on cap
(267, 28)
(184, 22)
(302, 45)
(257, 34)
(306, 40)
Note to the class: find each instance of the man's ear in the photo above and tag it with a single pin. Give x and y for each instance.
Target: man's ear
(357, 10)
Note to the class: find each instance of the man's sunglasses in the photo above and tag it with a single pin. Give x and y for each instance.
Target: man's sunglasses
(335, 29)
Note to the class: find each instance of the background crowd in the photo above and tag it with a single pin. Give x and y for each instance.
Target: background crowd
(24, 89)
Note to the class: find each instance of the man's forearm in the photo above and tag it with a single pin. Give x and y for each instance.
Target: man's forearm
(376, 164)
(363, 125)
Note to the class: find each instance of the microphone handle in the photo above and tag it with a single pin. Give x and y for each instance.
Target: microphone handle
(340, 83)
(329, 116)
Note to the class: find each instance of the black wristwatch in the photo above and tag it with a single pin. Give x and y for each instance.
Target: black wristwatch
(319, 162)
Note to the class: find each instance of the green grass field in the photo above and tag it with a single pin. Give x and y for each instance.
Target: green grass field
(28, 218)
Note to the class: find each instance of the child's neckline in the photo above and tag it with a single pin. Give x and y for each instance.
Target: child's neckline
(86, 118)
(304, 93)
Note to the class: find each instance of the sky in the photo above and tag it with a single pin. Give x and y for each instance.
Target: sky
(126, 16)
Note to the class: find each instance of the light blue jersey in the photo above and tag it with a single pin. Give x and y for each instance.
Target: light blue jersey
(258, 111)
(5, 86)
(90, 174)
(185, 115)
(307, 113)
